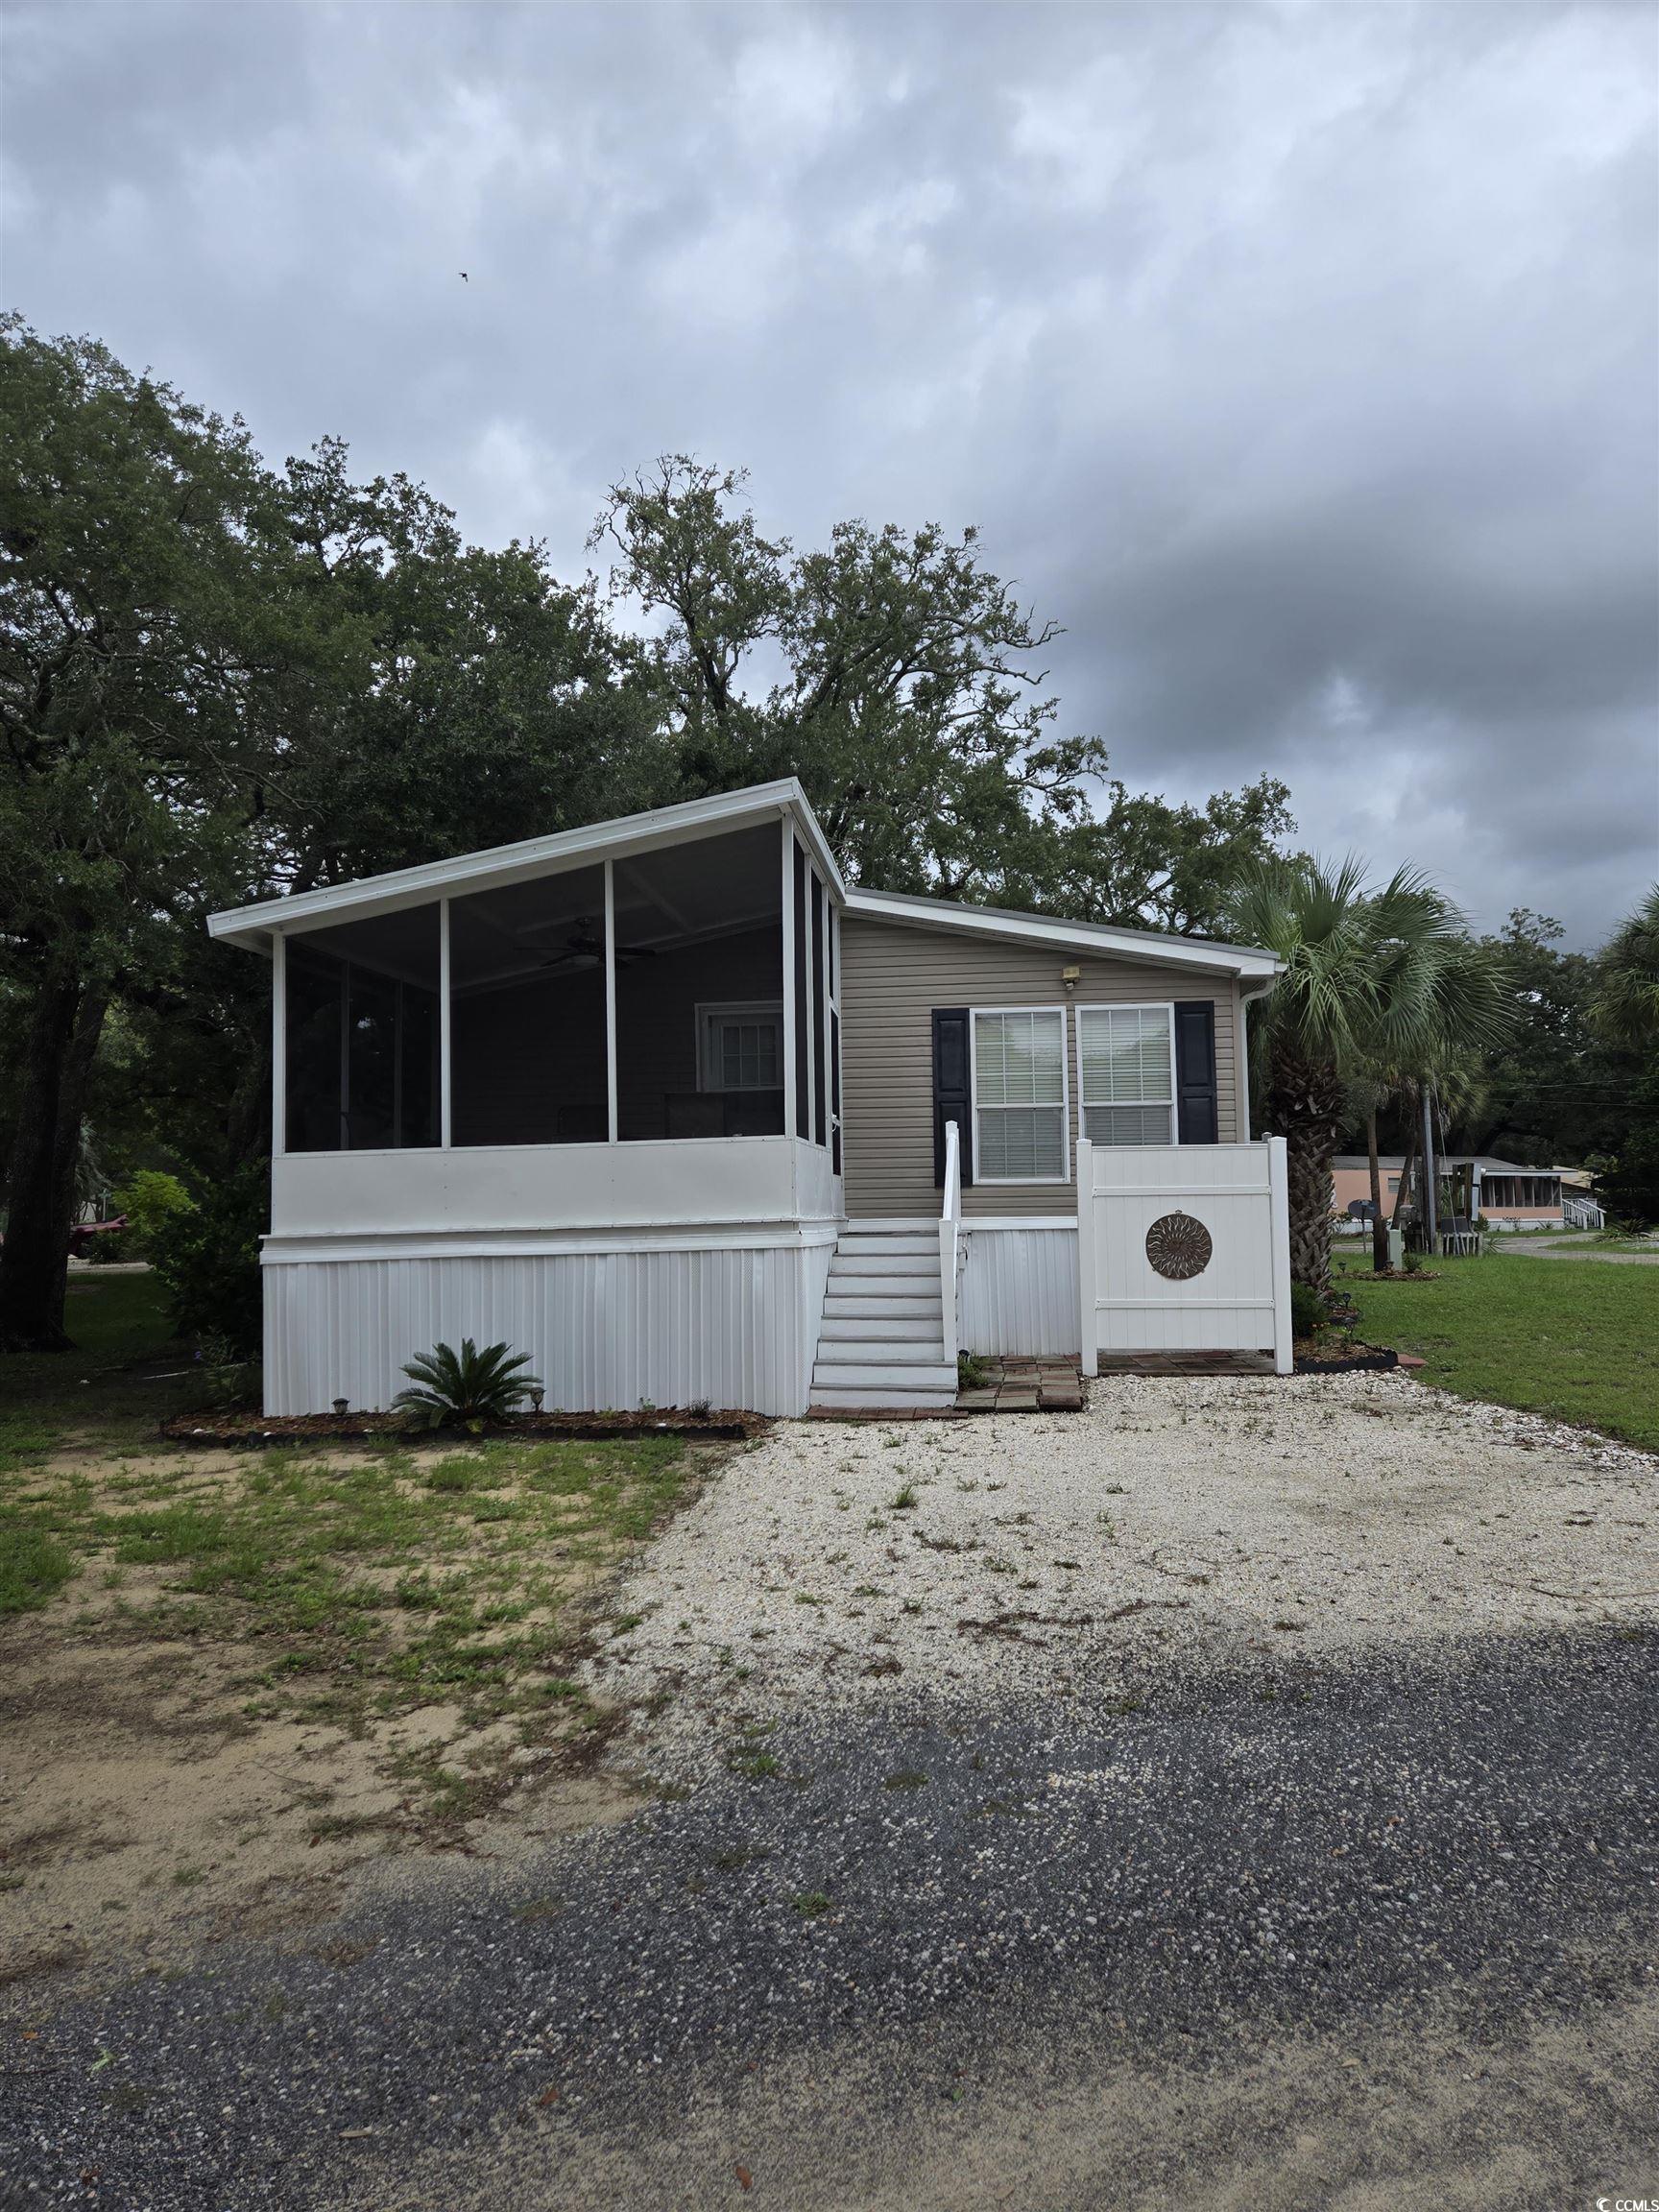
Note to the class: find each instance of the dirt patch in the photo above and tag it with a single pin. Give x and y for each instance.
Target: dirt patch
(269, 1678)
(142, 1813)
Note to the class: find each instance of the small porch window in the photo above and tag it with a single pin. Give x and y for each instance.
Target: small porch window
(1126, 1074)
(1019, 1101)
(740, 1046)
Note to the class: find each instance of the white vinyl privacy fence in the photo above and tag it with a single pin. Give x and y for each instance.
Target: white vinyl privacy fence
(1183, 1248)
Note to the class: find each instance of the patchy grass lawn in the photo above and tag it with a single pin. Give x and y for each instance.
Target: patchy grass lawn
(366, 1582)
(220, 1669)
(124, 1377)
(1577, 1340)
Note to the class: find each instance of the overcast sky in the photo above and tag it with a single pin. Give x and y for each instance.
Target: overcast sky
(1301, 361)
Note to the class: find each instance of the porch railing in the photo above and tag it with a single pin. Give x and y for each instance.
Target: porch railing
(1581, 1212)
(950, 1241)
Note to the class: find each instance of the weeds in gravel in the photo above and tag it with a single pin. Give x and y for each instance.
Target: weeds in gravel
(810, 1903)
(904, 1501)
(756, 1766)
(741, 1855)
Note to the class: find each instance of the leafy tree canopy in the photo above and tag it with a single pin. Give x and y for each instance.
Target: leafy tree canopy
(902, 680)
(221, 681)
(1555, 1091)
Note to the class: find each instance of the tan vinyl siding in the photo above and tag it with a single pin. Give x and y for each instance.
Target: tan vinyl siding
(893, 976)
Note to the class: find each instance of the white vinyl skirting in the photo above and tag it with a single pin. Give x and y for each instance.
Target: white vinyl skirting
(1018, 1290)
(732, 1326)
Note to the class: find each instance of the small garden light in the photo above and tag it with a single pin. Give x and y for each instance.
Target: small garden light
(341, 1404)
(535, 1397)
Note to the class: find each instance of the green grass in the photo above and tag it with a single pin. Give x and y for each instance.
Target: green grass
(89, 1394)
(371, 1587)
(33, 1563)
(1575, 1341)
(112, 1389)
(366, 1582)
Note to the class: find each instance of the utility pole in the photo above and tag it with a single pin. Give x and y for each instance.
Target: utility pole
(1431, 1179)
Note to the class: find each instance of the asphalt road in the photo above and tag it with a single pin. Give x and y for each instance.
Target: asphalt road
(1366, 1937)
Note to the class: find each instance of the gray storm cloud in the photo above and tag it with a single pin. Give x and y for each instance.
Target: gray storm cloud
(1301, 361)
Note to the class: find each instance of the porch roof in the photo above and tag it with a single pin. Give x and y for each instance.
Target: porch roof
(252, 926)
(1486, 1161)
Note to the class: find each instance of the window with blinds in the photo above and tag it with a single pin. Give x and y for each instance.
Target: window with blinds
(1020, 1096)
(1126, 1074)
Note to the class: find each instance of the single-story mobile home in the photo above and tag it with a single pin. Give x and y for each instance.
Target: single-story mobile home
(1508, 1195)
(669, 1106)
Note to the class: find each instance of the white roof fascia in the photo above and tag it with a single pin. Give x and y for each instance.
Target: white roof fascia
(1097, 937)
(250, 926)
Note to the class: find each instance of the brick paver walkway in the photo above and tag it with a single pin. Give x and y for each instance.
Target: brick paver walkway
(1024, 1386)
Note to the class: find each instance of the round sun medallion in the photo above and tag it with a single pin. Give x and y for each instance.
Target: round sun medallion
(1178, 1246)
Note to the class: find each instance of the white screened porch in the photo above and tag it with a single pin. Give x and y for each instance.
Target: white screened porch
(582, 1093)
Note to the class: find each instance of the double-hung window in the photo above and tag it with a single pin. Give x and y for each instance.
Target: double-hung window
(1019, 1101)
(1126, 1074)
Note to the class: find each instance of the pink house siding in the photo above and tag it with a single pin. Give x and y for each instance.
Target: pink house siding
(1348, 1183)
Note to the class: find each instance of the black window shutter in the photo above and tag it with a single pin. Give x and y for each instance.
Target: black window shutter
(950, 1092)
(1195, 1072)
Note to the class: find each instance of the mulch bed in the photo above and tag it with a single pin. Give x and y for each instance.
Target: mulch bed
(1357, 1359)
(257, 1431)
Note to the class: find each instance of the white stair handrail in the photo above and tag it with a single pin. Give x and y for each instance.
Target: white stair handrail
(950, 1229)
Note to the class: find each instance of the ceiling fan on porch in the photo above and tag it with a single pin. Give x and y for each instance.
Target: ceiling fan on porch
(584, 947)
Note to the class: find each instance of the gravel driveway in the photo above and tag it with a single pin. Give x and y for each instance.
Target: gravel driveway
(1177, 1524)
(1086, 1885)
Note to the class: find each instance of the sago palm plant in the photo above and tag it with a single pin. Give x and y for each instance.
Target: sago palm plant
(1375, 983)
(469, 1386)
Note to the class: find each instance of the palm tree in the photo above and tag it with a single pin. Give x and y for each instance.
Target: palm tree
(1456, 1080)
(1376, 984)
(1626, 1008)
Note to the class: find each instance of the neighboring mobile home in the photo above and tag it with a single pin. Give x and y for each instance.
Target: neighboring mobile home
(665, 1104)
(1509, 1196)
